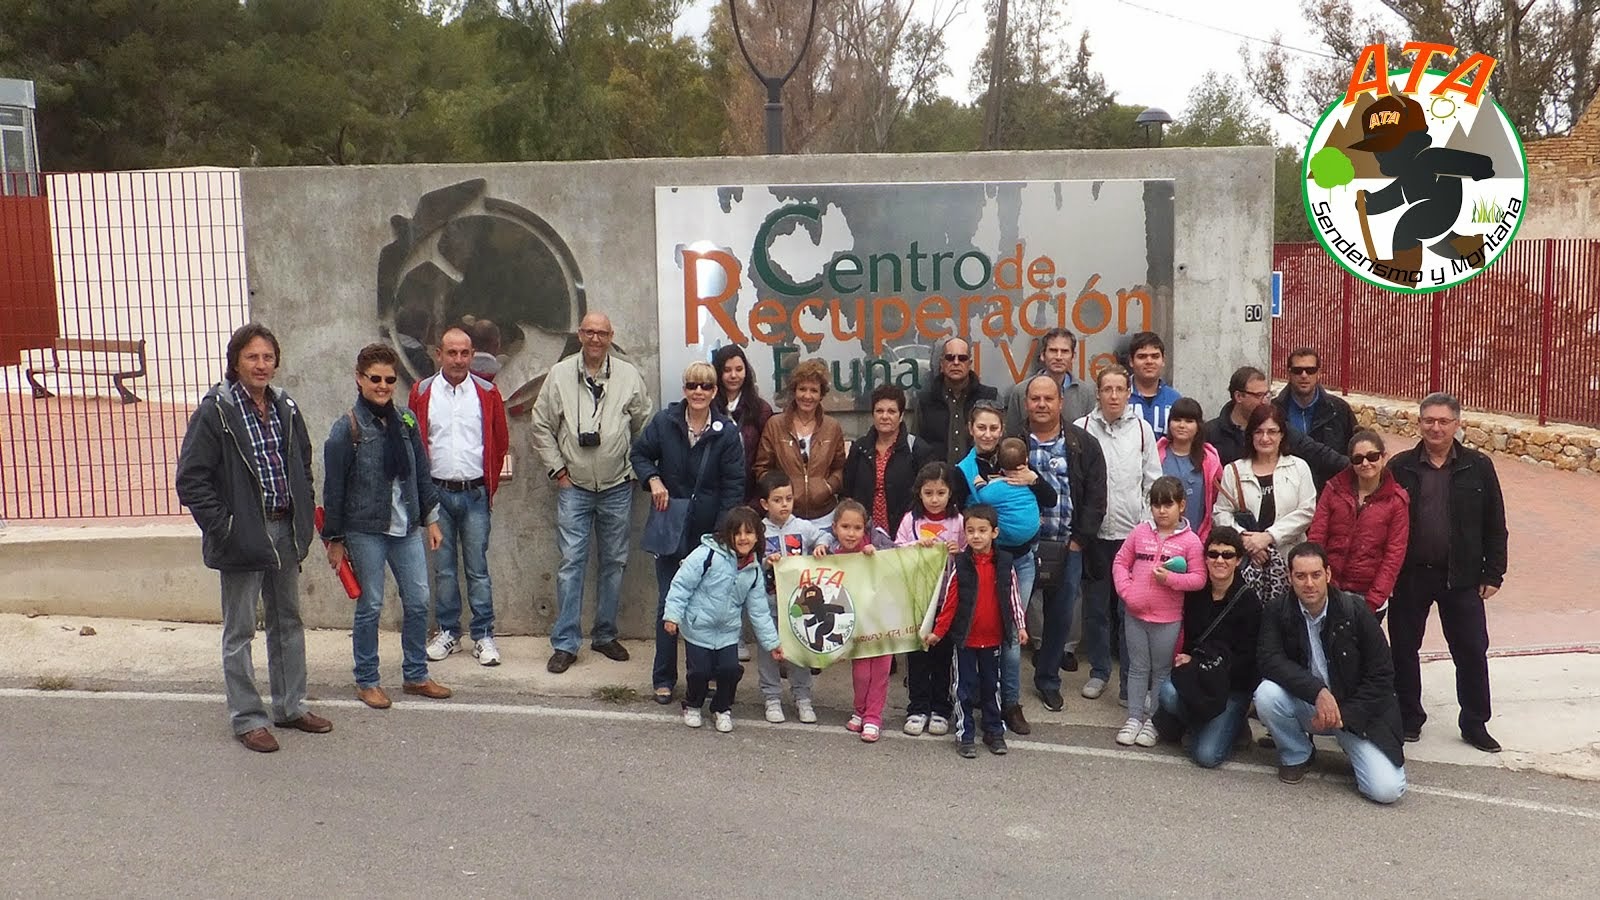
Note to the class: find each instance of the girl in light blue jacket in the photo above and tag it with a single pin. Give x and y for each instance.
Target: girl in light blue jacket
(719, 585)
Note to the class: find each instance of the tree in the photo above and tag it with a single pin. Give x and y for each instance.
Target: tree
(1219, 114)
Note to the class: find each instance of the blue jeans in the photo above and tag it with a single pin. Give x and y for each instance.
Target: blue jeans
(464, 522)
(1213, 740)
(604, 515)
(1289, 719)
(1023, 568)
(407, 557)
(1060, 604)
(664, 671)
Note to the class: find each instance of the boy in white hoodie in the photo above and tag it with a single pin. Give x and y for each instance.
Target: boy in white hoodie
(787, 535)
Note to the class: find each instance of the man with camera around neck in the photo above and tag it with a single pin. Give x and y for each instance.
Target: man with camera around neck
(591, 407)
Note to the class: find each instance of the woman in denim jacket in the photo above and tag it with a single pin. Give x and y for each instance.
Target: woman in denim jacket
(378, 501)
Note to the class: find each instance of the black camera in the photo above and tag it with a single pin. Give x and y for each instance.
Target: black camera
(588, 439)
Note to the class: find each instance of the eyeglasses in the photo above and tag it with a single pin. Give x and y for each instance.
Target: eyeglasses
(1113, 389)
(1269, 432)
(591, 333)
(1370, 456)
(1221, 554)
(1259, 395)
(699, 386)
(1435, 420)
(956, 357)
(1304, 370)
(383, 379)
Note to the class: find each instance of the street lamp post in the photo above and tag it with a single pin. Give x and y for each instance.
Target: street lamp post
(773, 83)
(1154, 116)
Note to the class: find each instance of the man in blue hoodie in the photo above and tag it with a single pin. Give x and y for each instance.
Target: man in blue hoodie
(1152, 397)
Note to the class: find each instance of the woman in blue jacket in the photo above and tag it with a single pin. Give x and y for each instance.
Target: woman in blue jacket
(691, 452)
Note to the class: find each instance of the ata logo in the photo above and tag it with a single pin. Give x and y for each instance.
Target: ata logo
(821, 614)
(1416, 181)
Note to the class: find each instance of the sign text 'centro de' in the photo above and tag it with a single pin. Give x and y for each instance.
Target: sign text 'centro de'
(868, 277)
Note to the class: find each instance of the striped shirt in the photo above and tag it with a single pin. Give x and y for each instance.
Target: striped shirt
(266, 448)
(1049, 459)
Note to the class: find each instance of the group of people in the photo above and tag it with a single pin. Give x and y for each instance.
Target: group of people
(1269, 542)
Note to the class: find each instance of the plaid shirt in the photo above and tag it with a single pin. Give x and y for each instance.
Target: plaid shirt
(266, 448)
(1049, 459)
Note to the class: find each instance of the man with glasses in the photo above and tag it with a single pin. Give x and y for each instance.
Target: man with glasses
(945, 405)
(1248, 389)
(592, 407)
(1456, 558)
(1320, 415)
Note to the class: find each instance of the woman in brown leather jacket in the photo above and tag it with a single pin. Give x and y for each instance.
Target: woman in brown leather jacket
(807, 444)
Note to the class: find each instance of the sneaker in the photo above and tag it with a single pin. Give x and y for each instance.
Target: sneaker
(744, 653)
(996, 743)
(775, 711)
(968, 750)
(916, 725)
(1093, 688)
(486, 652)
(854, 725)
(938, 726)
(869, 733)
(1129, 731)
(723, 720)
(808, 714)
(1052, 699)
(443, 644)
(1147, 734)
(1069, 662)
(691, 717)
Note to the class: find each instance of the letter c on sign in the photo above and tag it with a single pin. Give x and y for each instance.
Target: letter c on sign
(762, 263)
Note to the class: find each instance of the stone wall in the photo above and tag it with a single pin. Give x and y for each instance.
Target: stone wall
(1569, 448)
(1564, 182)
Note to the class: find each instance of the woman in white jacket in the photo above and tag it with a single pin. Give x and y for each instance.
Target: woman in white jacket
(1270, 497)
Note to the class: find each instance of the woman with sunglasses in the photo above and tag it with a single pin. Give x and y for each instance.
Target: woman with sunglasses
(807, 444)
(381, 507)
(883, 463)
(688, 451)
(740, 399)
(1232, 640)
(1270, 497)
(1363, 520)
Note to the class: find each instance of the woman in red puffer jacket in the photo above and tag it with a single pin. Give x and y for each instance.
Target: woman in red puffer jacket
(1363, 519)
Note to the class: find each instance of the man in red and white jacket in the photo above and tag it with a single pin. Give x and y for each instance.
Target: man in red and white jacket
(462, 419)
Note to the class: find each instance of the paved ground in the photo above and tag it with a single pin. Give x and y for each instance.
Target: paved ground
(110, 795)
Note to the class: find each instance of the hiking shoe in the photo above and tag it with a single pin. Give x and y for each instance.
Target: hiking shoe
(1052, 699)
(486, 652)
(443, 644)
(996, 743)
(691, 717)
(807, 713)
(1296, 773)
(938, 726)
(774, 711)
(560, 661)
(1015, 720)
(1147, 735)
(968, 750)
(1129, 731)
(854, 725)
(916, 725)
(869, 733)
(723, 721)
(1093, 688)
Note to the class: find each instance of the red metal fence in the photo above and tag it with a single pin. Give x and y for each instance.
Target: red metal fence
(144, 275)
(1523, 338)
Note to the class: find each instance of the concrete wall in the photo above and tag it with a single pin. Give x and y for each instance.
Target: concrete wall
(313, 238)
(1564, 182)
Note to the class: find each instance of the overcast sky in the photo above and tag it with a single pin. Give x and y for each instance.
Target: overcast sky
(1147, 56)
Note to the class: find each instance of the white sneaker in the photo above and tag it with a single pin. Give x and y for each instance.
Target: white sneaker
(916, 725)
(1147, 734)
(1129, 732)
(1093, 688)
(774, 711)
(443, 644)
(724, 721)
(938, 725)
(691, 717)
(486, 652)
(744, 653)
(808, 715)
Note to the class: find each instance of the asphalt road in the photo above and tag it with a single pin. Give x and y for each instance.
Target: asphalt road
(145, 795)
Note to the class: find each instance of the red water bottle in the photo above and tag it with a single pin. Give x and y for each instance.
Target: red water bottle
(347, 572)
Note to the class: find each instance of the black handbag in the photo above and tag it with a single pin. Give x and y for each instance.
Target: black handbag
(663, 528)
(1052, 564)
(1203, 683)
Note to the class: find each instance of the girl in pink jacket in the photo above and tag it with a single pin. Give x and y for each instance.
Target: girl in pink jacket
(1151, 585)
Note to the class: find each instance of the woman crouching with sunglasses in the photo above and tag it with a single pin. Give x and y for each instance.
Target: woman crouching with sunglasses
(1363, 520)
(1221, 622)
(381, 508)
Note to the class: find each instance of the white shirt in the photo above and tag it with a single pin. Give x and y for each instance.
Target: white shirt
(455, 430)
(1319, 657)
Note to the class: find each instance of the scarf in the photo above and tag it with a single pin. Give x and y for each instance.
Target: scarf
(396, 462)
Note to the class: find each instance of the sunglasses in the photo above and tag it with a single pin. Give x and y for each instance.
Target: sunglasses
(1304, 370)
(956, 357)
(383, 379)
(1371, 456)
(699, 386)
(1221, 554)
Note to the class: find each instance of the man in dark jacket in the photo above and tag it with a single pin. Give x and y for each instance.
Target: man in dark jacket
(945, 405)
(1248, 389)
(1322, 416)
(1457, 558)
(1325, 669)
(245, 474)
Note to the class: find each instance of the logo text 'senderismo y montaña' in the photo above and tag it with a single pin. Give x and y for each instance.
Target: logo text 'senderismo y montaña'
(1415, 181)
